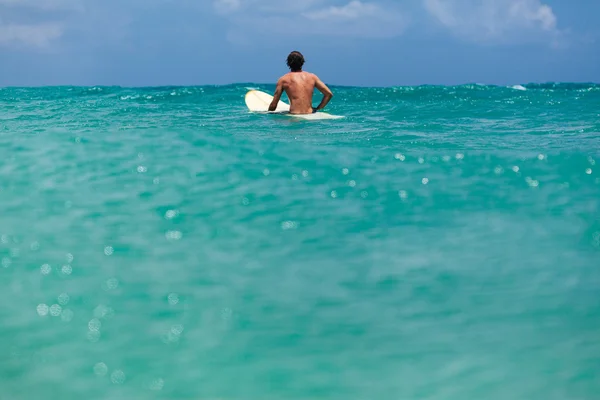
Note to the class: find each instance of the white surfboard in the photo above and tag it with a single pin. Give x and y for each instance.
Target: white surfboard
(258, 101)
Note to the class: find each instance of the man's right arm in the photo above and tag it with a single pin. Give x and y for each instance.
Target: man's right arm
(276, 95)
(327, 95)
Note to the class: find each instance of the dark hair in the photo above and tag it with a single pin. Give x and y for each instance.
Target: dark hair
(295, 61)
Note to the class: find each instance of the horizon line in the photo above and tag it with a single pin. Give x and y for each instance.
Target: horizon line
(273, 84)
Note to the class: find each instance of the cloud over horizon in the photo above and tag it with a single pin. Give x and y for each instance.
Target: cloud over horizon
(40, 24)
(495, 21)
(34, 23)
(356, 18)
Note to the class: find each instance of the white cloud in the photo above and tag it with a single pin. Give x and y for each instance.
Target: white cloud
(39, 35)
(227, 6)
(25, 22)
(495, 20)
(352, 10)
(312, 17)
(263, 7)
(43, 4)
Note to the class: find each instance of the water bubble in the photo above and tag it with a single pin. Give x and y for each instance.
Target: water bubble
(67, 315)
(399, 156)
(352, 183)
(108, 250)
(55, 310)
(156, 181)
(170, 337)
(460, 156)
(157, 384)
(498, 170)
(45, 269)
(170, 214)
(112, 283)
(345, 171)
(287, 225)
(173, 299)
(100, 369)
(305, 173)
(245, 201)
(42, 310)
(34, 246)
(334, 194)
(141, 169)
(446, 158)
(66, 269)
(588, 171)
(117, 377)
(364, 194)
(596, 239)
(6, 262)
(591, 161)
(541, 157)
(70, 258)
(425, 181)
(100, 311)
(266, 172)
(403, 195)
(177, 329)
(295, 177)
(532, 182)
(63, 299)
(421, 160)
(4, 239)
(515, 168)
(94, 324)
(93, 336)
(173, 235)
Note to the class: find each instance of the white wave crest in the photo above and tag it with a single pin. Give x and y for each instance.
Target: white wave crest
(518, 87)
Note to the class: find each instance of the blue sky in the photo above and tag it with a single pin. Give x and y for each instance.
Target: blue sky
(346, 42)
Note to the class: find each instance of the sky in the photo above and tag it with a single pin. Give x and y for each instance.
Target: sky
(345, 42)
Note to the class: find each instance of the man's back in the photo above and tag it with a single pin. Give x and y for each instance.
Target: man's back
(299, 87)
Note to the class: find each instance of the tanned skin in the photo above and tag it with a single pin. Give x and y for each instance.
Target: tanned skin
(299, 87)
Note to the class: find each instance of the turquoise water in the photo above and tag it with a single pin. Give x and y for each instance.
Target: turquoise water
(164, 243)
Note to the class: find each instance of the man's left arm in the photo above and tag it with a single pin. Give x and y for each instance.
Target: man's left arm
(327, 94)
(276, 96)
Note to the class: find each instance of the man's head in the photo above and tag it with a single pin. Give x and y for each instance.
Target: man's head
(295, 61)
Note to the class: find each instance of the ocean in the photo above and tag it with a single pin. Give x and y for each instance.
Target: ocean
(436, 243)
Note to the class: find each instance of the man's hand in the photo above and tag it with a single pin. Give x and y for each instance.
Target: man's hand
(276, 96)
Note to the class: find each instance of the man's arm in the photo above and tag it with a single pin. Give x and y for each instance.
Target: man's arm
(327, 95)
(277, 95)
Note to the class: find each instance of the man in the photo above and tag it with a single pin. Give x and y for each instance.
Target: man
(299, 87)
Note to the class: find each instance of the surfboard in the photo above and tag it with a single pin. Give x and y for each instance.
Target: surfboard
(258, 101)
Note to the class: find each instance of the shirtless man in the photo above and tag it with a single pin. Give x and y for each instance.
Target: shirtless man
(299, 86)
